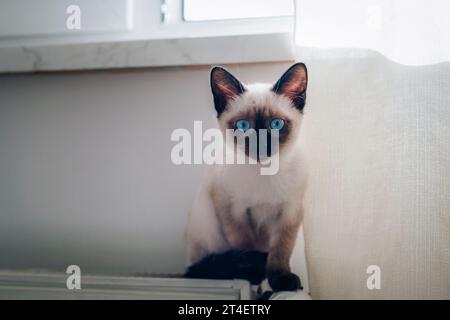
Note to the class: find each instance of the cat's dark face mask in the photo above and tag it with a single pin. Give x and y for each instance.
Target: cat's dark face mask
(260, 127)
(261, 133)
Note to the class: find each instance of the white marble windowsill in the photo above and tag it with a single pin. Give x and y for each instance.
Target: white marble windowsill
(132, 34)
(134, 53)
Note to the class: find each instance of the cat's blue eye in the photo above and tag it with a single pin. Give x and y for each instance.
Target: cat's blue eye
(243, 125)
(276, 124)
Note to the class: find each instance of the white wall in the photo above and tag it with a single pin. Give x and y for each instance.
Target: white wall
(378, 141)
(85, 170)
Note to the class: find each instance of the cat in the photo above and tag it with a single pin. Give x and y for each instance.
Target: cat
(236, 209)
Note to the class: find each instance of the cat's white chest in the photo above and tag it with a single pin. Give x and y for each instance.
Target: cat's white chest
(266, 195)
(249, 189)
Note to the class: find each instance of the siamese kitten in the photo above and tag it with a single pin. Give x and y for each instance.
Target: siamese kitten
(237, 208)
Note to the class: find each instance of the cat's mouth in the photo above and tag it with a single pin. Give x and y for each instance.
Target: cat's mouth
(264, 149)
(260, 155)
(258, 146)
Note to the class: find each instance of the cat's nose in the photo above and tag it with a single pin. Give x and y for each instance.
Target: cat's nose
(264, 145)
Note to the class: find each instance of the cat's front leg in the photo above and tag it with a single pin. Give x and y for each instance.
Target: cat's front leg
(203, 230)
(281, 246)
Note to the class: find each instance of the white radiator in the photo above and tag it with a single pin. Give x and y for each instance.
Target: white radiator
(39, 285)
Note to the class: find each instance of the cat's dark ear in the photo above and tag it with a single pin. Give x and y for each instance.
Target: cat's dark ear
(224, 87)
(293, 84)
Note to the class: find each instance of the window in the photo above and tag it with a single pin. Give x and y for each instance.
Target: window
(143, 33)
(204, 10)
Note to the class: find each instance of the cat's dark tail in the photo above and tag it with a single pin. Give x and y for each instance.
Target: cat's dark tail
(233, 264)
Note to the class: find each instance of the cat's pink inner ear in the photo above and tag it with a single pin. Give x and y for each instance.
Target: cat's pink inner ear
(295, 83)
(226, 89)
(225, 84)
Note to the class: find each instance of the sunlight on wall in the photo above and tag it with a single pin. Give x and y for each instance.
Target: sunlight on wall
(409, 32)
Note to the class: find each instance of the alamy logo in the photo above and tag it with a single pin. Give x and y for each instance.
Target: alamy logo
(237, 147)
(73, 21)
(374, 280)
(74, 280)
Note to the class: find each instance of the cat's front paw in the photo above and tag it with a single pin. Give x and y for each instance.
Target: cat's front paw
(283, 281)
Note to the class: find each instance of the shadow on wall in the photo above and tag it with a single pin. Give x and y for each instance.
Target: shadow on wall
(85, 169)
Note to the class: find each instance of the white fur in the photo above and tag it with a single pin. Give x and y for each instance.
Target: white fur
(245, 185)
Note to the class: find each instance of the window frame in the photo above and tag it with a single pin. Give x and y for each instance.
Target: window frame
(183, 6)
(154, 41)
